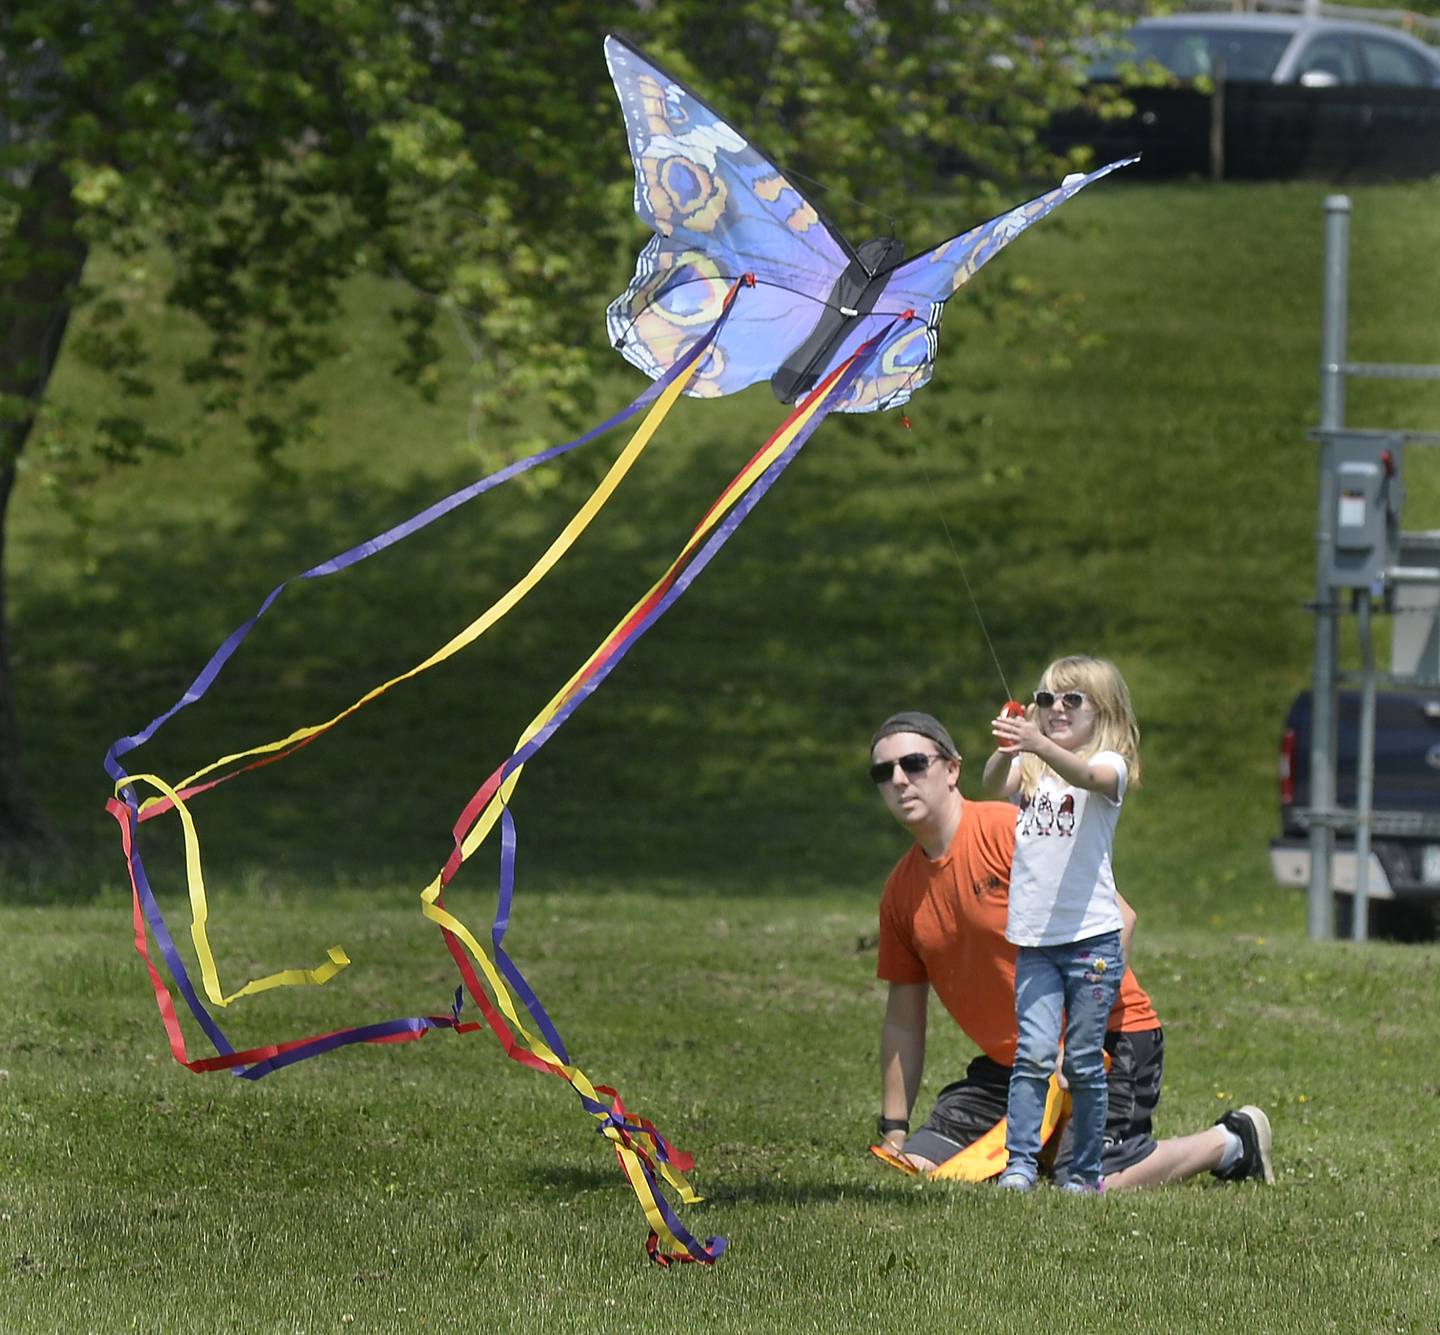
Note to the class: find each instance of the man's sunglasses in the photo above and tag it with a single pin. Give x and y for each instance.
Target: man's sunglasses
(917, 762)
(1072, 700)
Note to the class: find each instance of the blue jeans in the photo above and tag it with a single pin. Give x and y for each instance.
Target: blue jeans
(1080, 979)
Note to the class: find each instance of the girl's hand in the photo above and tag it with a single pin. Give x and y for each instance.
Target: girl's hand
(1013, 735)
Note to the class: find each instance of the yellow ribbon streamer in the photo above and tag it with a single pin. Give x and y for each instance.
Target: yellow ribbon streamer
(632, 1161)
(743, 481)
(200, 914)
(506, 603)
(486, 820)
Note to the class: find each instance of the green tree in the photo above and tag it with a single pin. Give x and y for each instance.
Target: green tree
(471, 152)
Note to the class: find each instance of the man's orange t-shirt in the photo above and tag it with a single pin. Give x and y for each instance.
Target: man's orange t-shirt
(943, 923)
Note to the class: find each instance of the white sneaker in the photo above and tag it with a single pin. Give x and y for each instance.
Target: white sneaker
(1253, 1128)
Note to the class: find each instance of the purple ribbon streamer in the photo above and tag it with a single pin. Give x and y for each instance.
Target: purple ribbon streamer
(498, 929)
(404, 529)
(232, 642)
(716, 1246)
(709, 549)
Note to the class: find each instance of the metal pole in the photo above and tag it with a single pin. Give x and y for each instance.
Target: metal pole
(1336, 311)
(1364, 772)
(1217, 123)
(1320, 912)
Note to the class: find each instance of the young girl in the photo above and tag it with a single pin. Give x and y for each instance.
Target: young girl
(1068, 762)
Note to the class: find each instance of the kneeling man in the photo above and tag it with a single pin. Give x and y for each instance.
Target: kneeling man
(942, 926)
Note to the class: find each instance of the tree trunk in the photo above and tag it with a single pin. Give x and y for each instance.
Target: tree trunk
(23, 827)
(34, 310)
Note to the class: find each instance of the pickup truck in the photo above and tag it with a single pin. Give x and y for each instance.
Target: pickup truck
(1404, 885)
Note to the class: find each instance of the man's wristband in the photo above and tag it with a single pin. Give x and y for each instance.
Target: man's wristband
(889, 1124)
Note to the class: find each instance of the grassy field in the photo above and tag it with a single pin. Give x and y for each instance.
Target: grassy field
(699, 849)
(433, 1186)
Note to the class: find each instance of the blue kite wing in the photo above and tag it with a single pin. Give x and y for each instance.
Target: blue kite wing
(720, 210)
(920, 288)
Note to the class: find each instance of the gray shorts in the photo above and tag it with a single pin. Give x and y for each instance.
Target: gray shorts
(966, 1110)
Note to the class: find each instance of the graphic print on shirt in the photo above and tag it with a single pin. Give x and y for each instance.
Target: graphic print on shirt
(1038, 816)
(991, 885)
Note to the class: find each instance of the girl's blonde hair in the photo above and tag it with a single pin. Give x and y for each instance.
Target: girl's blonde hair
(1115, 725)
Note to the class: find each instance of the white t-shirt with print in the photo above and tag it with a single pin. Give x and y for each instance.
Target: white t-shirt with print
(1062, 887)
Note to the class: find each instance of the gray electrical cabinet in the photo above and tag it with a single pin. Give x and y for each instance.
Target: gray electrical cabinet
(1368, 496)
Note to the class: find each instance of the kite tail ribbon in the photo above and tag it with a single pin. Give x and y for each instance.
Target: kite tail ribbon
(643, 1153)
(659, 396)
(669, 1240)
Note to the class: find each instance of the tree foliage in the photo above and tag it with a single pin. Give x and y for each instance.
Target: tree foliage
(469, 152)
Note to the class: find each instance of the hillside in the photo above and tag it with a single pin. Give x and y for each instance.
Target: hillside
(1145, 491)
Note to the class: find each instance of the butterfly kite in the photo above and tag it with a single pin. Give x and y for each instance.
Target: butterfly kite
(743, 281)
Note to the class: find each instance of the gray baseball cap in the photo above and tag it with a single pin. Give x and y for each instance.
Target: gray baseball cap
(927, 725)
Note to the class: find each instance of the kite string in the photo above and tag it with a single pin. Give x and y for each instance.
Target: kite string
(949, 537)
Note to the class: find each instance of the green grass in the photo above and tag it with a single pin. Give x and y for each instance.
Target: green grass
(434, 1186)
(699, 849)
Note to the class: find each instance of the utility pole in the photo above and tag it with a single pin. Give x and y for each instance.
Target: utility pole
(1320, 916)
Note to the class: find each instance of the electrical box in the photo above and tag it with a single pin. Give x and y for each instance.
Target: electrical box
(1369, 492)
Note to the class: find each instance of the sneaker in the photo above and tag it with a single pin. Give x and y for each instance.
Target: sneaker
(1014, 1182)
(1074, 1188)
(1253, 1128)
